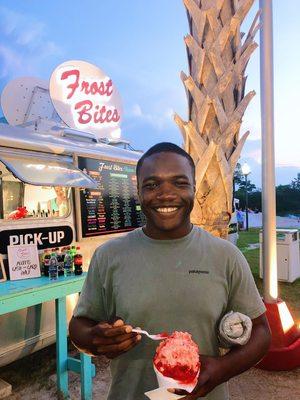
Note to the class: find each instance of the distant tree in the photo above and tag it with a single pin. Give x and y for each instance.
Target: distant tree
(287, 199)
(250, 186)
(238, 175)
(287, 196)
(239, 181)
(295, 184)
(254, 198)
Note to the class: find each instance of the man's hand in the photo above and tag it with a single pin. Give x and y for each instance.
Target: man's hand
(216, 370)
(211, 375)
(113, 340)
(103, 338)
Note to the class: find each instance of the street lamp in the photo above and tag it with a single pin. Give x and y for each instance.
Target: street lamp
(246, 171)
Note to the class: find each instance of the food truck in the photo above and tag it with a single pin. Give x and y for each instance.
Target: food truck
(59, 186)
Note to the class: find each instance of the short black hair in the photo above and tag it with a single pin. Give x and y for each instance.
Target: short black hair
(166, 147)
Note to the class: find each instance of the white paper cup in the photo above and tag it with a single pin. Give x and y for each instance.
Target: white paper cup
(168, 383)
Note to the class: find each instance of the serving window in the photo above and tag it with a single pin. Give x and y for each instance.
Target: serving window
(38, 185)
(22, 200)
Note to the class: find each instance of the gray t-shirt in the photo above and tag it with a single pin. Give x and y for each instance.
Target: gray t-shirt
(185, 284)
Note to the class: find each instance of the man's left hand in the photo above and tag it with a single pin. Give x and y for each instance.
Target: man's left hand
(216, 370)
(211, 375)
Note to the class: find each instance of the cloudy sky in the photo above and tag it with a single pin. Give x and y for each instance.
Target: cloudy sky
(139, 44)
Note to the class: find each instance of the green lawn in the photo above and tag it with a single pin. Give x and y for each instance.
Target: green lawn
(289, 292)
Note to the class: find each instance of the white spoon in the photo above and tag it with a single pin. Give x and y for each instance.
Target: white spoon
(158, 336)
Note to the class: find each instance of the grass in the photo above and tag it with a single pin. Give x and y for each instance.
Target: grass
(289, 292)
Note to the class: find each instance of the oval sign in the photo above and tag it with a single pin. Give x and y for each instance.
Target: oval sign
(86, 98)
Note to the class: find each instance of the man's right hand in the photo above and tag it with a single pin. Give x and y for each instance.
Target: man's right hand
(103, 338)
(112, 340)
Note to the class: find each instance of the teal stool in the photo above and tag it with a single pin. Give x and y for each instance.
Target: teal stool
(82, 366)
(15, 295)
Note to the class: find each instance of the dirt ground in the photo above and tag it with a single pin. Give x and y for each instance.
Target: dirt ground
(33, 378)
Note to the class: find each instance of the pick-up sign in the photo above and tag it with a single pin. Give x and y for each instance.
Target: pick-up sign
(43, 238)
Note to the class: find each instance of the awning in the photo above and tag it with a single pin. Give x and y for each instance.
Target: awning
(41, 169)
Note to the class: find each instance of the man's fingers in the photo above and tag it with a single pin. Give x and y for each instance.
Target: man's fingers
(180, 392)
(114, 355)
(100, 340)
(107, 330)
(202, 380)
(118, 322)
(104, 325)
(200, 389)
(118, 330)
(119, 347)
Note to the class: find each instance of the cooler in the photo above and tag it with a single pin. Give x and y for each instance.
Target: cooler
(288, 258)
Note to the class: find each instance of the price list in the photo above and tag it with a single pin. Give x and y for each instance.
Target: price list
(114, 206)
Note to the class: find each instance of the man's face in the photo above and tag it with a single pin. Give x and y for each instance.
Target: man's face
(166, 190)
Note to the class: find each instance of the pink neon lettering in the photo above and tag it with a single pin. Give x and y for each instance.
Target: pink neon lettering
(87, 113)
(84, 116)
(94, 88)
(72, 86)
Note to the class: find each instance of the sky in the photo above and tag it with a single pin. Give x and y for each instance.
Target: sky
(139, 44)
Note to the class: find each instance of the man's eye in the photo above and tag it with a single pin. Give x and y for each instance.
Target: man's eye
(150, 185)
(182, 183)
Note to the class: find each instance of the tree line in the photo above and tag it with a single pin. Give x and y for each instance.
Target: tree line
(287, 196)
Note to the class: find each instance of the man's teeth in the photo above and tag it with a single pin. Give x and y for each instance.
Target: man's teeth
(166, 209)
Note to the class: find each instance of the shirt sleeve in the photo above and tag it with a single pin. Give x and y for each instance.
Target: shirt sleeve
(91, 303)
(243, 294)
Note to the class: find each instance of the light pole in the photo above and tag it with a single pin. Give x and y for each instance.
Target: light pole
(246, 171)
(284, 353)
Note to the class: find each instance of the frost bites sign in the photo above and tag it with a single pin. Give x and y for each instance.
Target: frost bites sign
(86, 99)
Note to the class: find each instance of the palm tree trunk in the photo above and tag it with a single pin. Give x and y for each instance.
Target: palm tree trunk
(216, 96)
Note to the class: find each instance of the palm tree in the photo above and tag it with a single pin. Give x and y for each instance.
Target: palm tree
(218, 54)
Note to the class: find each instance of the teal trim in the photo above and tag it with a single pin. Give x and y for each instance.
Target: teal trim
(86, 377)
(61, 347)
(15, 295)
(74, 365)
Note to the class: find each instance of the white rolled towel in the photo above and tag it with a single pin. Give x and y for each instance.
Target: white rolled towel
(234, 329)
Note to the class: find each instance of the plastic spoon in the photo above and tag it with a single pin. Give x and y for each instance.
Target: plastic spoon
(158, 336)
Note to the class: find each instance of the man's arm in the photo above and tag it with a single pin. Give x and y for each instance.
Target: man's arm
(216, 370)
(102, 338)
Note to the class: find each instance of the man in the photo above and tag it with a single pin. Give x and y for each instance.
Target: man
(240, 219)
(167, 276)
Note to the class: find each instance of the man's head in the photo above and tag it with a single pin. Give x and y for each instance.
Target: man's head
(165, 147)
(166, 187)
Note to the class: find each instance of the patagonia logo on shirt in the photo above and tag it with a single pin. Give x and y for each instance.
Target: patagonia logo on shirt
(198, 271)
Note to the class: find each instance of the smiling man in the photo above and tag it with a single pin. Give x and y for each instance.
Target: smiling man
(146, 279)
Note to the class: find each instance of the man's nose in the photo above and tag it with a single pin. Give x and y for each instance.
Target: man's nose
(166, 192)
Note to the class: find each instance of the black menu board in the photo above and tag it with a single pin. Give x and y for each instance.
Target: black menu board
(114, 206)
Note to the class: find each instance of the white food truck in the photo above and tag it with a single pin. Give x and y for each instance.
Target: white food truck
(59, 185)
(36, 170)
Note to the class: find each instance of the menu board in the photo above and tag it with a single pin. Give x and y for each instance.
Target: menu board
(114, 206)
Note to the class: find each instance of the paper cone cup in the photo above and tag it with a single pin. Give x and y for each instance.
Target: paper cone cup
(166, 382)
